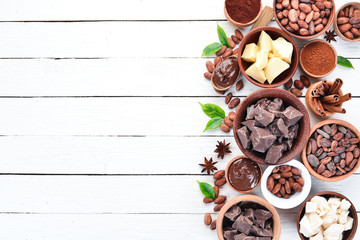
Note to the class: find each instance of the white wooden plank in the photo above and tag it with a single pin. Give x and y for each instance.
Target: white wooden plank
(115, 226)
(110, 155)
(119, 39)
(115, 10)
(124, 194)
(117, 116)
(121, 77)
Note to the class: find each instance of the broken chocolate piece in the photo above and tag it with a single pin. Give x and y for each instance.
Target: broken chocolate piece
(243, 236)
(274, 153)
(278, 128)
(292, 116)
(263, 117)
(261, 216)
(249, 213)
(261, 139)
(229, 234)
(233, 212)
(243, 224)
(244, 136)
(250, 124)
(261, 232)
(249, 112)
(293, 130)
(263, 103)
(275, 105)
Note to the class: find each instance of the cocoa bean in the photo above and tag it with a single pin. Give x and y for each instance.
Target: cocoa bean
(354, 20)
(328, 4)
(287, 187)
(319, 152)
(285, 13)
(220, 199)
(228, 98)
(342, 20)
(217, 60)
(219, 174)
(293, 15)
(213, 225)
(284, 21)
(351, 148)
(319, 27)
(308, 148)
(325, 160)
(236, 51)
(356, 152)
(323, 133)
(348, 158)
(291, 182)
(210, 66)
(221, 51)
(218, 207)
(309, 17)
(294, 26)
(297, 187)
(298, 84)
(295, 171)
(321, 169)
(285, 3)
(349, 35)
(316, 16)
(270, 183)
(351, 11)
(341, 13)
(228, 122)
(313, 160)
(322, 14)
(239, 34)
(286, 174)
(207, 219)
(220, 182)
(355, 32)
(207, 75)
(305, 8)
(216, 189)
(345, 27)
(234, 103)
(231, 43)
(325, 142)
(279, 6)
(303, 24)
(328, 174)
(304, 32)
(353, 163)
(282, 191)
(300, 181)
(288, 28)
(338, 136)
(276, 188)
(276, 175)
(232, 116)
(317, 22)
(320, 5)
(239, 85)
(227, 53)
(280, 15)
(302, 16)
(342, 129)
(224, 128)
(235, 39)
(208, 200)
(296, 92)
(285, 168)
(313, 146)
(288, 84)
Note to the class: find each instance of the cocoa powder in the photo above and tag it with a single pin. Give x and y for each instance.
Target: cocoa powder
(242, 11)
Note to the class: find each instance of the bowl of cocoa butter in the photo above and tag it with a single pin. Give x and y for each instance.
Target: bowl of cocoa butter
(347, 22)
(242, 13)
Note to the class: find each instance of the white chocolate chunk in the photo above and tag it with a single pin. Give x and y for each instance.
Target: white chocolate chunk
(265, 41)
(283, 49)
(258, 75)
(262, 59)
(274, 68)
(250, 52)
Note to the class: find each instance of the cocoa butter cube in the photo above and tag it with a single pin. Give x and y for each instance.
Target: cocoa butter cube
(291, 116)
(274, 153)
(243, 236)
(242, 224)
(261, 139)
(230, 234)
(250, 124)
(261, 216)
(278, 128)
(233, 213)
(244, 136)
(275, 106)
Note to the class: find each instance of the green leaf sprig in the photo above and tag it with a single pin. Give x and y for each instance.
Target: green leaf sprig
(216, 113)
(207, 190)
(344, 62)
(214, 47)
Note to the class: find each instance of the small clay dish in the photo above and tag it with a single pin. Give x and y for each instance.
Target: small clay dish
(240, 24)
(333, 64)
(306, 162)
(226, 88)
(251, 200)
(253, 37)
(289, 100)
(348, 235)
(330, 21)
(246, 173)
(310, 100)
(336, 26)
(297, 198)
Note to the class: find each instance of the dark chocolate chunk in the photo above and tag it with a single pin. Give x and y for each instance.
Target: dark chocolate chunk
(263, 117)
(292, 115)
(249, 213)
(261, 216)
(278, 128)
(249, 112)
(293, 131)
(261, 232)
(233, 212)
(261, 139)
(263, 103)
(243, 224)
(274, 153)
(275, 105)
(243, 236)
(250, 124)
(229, 234)
(263, 238)
(244, 136)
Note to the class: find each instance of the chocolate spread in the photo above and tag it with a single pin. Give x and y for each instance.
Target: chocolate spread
(226, 73)
(244, 174)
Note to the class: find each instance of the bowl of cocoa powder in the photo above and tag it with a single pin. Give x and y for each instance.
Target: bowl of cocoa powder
(242, 13)
(304, 19)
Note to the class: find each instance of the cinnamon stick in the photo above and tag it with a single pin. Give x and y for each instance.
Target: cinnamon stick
(315, 93)
(321, 89)
(319, 107)
(345, 98)
(336, 86)
(333, 108)
(326, 85)
(331, 99)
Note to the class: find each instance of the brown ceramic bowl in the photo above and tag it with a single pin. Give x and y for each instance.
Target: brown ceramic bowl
(304, 157)
(333, 64)
(330, 21)
(336, 27)
(348, 235)
(253, 37)
(310, 100)
(249, 199)
(288, 99)
(227, 177)
(239, 24)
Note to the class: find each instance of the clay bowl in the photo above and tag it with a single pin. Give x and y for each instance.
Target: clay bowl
(249, 199)
(239, 24)
(224, 89)
(336, 27)
(330, 21)
(252, 37)
(333, 64)
(288, 99)
(227, 177)
(304, 157)
(310, 100)
(348, 235)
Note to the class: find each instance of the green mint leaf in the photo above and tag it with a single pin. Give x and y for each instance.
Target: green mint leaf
(211, 49)
(222, 36)
(207, 190)
(344, 62)
(212, 110)
(213, 123)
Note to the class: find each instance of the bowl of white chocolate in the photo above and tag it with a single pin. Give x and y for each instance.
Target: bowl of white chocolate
(268, 57)
(327, 216)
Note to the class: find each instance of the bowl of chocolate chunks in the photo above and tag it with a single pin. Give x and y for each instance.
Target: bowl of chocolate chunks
(271, 126)
(248, 217)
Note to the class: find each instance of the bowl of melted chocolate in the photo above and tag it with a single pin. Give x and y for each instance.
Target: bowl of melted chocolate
(242, 174)
(225, 74)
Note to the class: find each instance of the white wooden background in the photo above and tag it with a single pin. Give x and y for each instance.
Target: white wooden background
(101, 132)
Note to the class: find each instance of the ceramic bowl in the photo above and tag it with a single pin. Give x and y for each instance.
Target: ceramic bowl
(330, 21)
(304, 156)
(310, 100)
(239, 24)
(312, 74)
(253, 37)
(295, 199)
(288, 99)
(348, 235)
(336, 27)
(249, 199)
(227, 177)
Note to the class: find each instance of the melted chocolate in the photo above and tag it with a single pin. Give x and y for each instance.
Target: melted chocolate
(244, 174)
(226, 73)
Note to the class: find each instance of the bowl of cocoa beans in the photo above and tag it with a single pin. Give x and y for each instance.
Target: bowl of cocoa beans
(347, 22)
(304, 19)
(286, 186)
(333, 150)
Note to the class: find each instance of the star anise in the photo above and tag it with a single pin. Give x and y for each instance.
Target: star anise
(330, 36)
(222, 149)
(209, 165)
